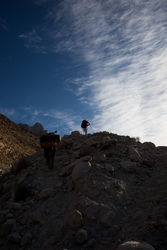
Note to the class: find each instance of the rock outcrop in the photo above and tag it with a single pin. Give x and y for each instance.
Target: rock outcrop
(15, 143)
(36, 129)
(105, 191)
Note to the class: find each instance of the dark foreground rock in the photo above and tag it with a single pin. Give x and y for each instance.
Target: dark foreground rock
(104, 192)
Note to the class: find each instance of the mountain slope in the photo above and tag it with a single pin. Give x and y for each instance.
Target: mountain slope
(37, 128)
(15, 142)
(104, 190)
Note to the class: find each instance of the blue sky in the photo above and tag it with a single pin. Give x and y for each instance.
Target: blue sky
(104, 61)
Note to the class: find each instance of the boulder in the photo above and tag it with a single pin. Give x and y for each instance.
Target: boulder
(75, 133)
(81, 170)
(81, 236)
(74, 218)
(148, 146)
(71, 166)
(134, 154)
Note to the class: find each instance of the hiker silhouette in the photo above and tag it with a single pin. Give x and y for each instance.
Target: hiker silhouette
(84, 126)
(48, 142)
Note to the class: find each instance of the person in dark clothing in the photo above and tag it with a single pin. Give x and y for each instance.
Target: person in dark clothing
(48, 143)
(84, 126)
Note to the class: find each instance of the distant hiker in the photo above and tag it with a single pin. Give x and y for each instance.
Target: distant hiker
(84, 126)
(48, 142)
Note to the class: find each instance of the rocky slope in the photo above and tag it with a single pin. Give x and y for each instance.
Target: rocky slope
(36, 129)
(15, 142)
(104, 190)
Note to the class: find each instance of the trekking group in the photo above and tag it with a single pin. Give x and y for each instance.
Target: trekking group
(48, 142)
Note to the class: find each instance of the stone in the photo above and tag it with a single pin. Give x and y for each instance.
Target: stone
(59, 184)
(109, 167)
(106, 220)
(74, 218)
(15, 206)
(106, 139)
(6, 227)
(26, 239)
(85, 150)
(81, 170)
(100, 157)
(20, 165)
(148, 146)
(62, 172)
(128, 166)
(75, 133)
(148, 162)
(72, 165)
(91, 242)
(14, 238)
(134, 155)
(46, 193)
(7, 187)
(81, 236)
(35, 218)
(3, 215)
(135, 245)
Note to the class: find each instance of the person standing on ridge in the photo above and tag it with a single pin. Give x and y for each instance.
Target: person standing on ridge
(48, 142)
(84, 126)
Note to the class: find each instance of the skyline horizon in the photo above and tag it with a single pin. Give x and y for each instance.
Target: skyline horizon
(104, 61)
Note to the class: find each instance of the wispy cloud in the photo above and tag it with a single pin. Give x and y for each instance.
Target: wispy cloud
(9, 112)
(33, 40)
(124, 44)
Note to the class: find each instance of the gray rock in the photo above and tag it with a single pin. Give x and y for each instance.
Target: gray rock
(135, 245)
(46, 193)
(91, 242)
(134, 154)
(74, 218)
(148, 162)
(81, 236)
(26, 239)
(106, 220)
(80, 170)
(99, 157)
(35, 217)
(14, 238)
(128, 166)
(75, 133)
(15, 206)
(148, 146)
(6, 227)
(109, 167)
(72, 165)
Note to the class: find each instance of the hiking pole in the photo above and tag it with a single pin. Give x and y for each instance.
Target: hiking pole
(91, 127)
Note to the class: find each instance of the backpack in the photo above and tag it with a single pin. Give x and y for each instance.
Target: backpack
(49, 140)
(84, 124)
